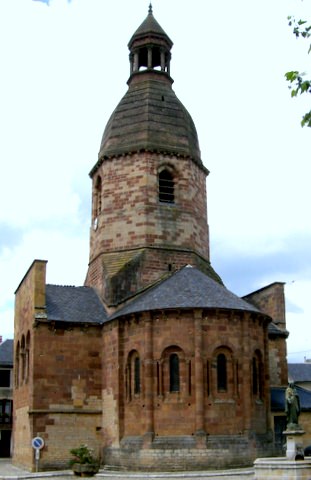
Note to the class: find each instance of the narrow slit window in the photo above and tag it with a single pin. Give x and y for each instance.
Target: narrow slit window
(221, 373)
(136, 376)
(174, 373)
(166, 187)
(255, 377)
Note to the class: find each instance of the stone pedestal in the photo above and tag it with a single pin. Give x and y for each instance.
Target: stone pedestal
(294, 444)
(282, 469)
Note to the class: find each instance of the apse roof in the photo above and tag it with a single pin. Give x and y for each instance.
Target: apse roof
(187, 288)
(74, 304)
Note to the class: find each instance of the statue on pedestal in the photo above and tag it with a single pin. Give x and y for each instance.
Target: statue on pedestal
(292, 407)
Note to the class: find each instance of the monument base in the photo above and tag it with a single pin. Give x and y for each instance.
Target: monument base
(294, 444)
(282, 469)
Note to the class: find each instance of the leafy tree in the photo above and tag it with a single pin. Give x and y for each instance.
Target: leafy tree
(297, 80)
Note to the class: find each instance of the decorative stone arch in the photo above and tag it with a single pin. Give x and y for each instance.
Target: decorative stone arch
(172, 372)
(222, 374)
(17, 365)
(23, 359)
(27, 356)
(257, 375)
(133, 375)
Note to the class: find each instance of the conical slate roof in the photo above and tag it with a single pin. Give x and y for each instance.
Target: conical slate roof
(149, 27)
(187, 288)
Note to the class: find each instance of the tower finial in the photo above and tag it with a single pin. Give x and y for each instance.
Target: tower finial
(150, 9)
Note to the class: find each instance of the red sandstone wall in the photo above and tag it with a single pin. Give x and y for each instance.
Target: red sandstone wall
(233, 412)
(132, 217)
(271, 300)
(29, 295)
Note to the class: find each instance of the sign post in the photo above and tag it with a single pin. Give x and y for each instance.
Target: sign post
(37, 444)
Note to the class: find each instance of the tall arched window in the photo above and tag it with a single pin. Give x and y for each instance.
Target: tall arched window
(221, 372)
(174, 373)
(23, 359)
(17, 365)
(27, 357)
(98, 196)
(166, 187)
(257, 375)
(132, 375)
(136, 375)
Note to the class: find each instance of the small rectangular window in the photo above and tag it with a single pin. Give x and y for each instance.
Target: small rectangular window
(5, 376)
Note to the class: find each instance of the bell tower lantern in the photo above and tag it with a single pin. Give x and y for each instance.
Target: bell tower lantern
(150, 47)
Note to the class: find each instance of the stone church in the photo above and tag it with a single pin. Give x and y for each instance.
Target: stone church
(153, 362)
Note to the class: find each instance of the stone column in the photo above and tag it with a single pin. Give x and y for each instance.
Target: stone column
(199, 384)
(149, 65)
(136, 59)
(149, 371)
(162, 61)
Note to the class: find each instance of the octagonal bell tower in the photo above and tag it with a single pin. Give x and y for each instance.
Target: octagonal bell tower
(149, 210)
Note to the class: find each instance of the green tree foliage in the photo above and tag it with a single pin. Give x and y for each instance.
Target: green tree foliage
(298, 83)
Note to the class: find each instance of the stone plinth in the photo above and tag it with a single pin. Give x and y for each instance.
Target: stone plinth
(282, 469)
(294, 444)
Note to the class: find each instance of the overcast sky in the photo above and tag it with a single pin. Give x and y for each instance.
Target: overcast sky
(64, 68)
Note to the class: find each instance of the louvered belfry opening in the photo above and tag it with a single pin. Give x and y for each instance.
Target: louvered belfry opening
(166, 187)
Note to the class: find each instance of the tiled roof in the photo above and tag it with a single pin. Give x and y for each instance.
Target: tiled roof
(275, 331)
(187, 288)
(74, 304)
(278, 398)
(6, 353)
(299, 372)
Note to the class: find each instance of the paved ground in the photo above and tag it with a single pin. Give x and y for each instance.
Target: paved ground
(11, 472)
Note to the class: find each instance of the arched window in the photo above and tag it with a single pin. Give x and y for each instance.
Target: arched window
(27, 355)
(257, 375)
(166, 187)
(17, 365)
(136, 375)
(98, 196)
(23, 359)
(221, 372)
(174, 373)
(132, 374)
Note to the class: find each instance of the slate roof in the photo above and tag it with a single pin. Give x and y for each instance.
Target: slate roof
(150, 117)
(299, 372)
(275, 331)
(74, 304)
(149, 26)
(278, 398)
(6, 353)
(186, 288)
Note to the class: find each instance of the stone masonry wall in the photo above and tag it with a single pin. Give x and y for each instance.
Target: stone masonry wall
(130, 215)
(30, 301)
(131, 417)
